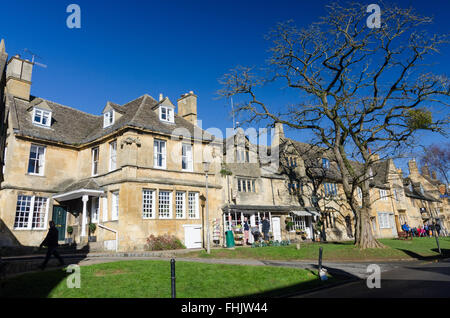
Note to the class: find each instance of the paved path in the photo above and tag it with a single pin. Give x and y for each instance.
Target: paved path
(423, 280)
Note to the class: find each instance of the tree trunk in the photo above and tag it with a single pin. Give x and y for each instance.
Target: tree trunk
(364, 237)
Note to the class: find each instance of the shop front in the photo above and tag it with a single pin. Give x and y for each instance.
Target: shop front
(234, 217)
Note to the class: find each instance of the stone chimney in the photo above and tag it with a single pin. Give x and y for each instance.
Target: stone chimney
(187, 107)
(375, 157)
(161, 97)
(442, 189)
(425, 171)
(278, 135)
(18, 77)
(412, 165)
(434, 175)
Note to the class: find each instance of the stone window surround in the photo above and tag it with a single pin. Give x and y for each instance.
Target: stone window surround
(42, 113)
(31, 214)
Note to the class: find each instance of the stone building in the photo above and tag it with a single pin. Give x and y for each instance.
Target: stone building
(133, 171)
(138, 169)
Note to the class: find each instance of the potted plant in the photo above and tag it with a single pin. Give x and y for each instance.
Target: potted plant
(289, 225)
(92, 228)
(69, 231)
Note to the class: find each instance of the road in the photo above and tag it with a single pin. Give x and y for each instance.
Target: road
(416, 280)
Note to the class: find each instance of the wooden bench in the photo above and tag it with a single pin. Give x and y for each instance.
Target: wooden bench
(404, 235)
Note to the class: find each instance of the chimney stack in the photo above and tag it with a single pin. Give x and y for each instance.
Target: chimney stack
(161, 97)
(278, 135)
(434, 175)
(425, 171)
(187, 107)
(18, 77)
(413, 167)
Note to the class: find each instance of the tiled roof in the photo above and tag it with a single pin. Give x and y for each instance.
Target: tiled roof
(73, 127)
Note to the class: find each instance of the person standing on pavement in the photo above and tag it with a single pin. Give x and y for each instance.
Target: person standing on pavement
(246, 231)
(51, 241)
(265, 228)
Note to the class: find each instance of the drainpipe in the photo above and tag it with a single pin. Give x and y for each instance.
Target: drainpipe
(112, 230)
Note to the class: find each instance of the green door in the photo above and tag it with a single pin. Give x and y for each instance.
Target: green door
(59, 217)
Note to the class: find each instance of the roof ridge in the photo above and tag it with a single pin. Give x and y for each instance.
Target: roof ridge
(139, 108)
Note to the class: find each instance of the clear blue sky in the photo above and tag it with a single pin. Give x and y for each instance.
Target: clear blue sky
(127, 48)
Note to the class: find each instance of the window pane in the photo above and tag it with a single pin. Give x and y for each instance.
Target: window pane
(164, 204)
(40, 207)
(179, 202)
(147, 203)
(23, 209)
(193, 205)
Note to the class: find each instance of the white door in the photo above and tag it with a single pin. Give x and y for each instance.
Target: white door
(276, 229)
(394, 227)
(193, 236)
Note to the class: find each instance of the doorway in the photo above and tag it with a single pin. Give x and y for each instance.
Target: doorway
(59, 217)
(276, 229)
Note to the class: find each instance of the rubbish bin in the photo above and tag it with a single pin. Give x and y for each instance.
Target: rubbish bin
(230, 239)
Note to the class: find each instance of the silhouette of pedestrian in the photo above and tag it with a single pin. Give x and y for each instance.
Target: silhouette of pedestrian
(51, 241)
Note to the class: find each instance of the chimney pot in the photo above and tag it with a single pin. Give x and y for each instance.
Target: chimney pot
(161, 97)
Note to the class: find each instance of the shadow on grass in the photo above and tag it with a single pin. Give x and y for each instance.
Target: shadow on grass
(444, 254)
(20, 276)
(338, 276)
(32, 285)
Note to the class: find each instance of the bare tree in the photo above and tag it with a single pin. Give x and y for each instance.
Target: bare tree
(359, 89)
(437, 158)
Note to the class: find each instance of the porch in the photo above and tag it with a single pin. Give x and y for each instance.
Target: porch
(278, 216)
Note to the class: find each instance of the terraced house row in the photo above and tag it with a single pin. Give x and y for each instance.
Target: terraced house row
(138, 169)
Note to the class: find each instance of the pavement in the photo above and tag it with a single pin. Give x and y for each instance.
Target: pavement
(413, 280)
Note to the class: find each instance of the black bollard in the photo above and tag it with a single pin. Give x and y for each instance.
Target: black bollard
(320, 259)
(172, 274)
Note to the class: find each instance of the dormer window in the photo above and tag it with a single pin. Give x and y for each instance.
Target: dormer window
(166, 114)
(42, 117)
(108, 118)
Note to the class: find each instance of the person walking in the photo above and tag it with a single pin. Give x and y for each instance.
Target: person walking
(51, 241)
(265, 228)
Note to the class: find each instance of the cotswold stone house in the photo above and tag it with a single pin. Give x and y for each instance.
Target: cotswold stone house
(137, 169)
(134, 170)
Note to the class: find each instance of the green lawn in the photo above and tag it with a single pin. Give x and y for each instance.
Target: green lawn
(152, 279)
(418, 248)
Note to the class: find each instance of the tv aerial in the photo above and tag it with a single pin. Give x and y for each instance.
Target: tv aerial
(33, 56)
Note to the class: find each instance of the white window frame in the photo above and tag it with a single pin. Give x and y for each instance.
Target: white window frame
(115, 206)
(95, 209)
(195, 209)
(169, 216)
(325, 163)
(168, 113)
(44, 114)
(95, 164)
(31, 213)
(148, 204)
(157, 144)
(187, 156)
(384, 220)
(105, 209)
(113, 155)
(384, 195)
(40, 163)
(180, 204)
(108, 118)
